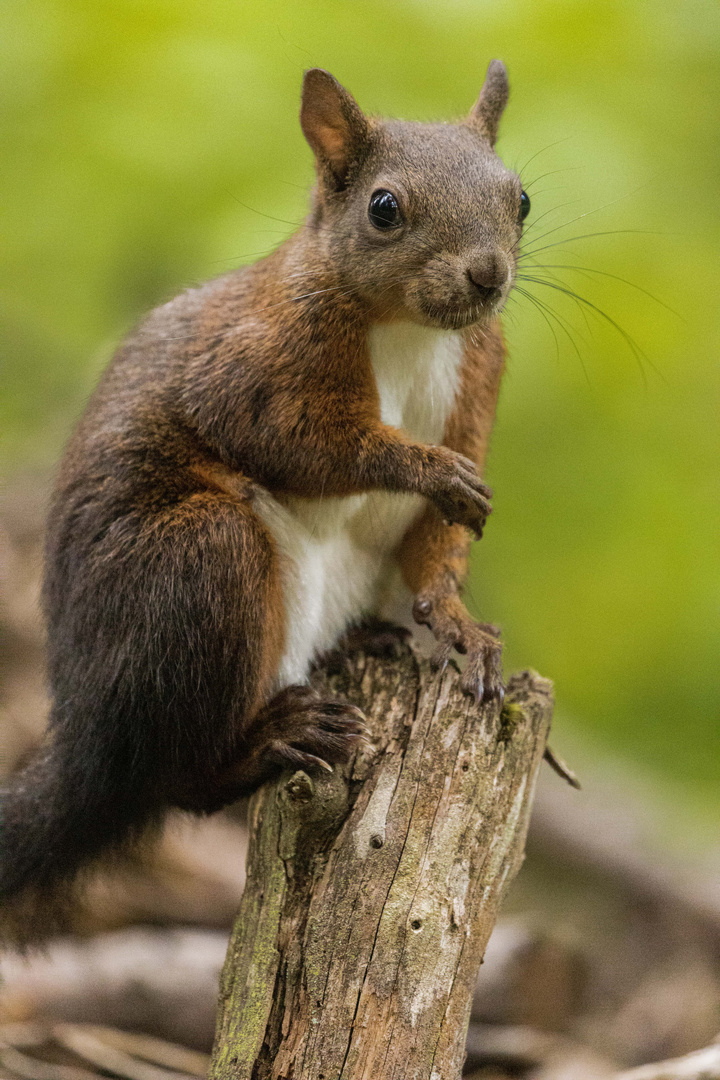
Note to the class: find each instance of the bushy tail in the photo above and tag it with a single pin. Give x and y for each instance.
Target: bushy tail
(56, 816)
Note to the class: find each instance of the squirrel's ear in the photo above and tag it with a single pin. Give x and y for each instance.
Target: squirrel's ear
(333, 124)
(485, 116)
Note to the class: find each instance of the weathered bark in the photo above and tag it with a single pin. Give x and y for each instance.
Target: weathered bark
(371, 894)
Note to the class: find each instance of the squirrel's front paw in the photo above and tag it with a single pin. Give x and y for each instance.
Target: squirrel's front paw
(453, 628)
(457, 490)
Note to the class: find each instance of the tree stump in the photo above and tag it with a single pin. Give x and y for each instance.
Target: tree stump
(372, 891)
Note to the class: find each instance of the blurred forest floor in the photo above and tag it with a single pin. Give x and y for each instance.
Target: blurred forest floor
(607, 954)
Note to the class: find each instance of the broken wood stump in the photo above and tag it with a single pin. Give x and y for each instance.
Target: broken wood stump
(372, 891)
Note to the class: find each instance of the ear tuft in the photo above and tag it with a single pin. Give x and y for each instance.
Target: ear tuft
(485, 116)
(333, 124)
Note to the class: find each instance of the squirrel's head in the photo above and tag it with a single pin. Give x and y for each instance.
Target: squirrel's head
(422, 220)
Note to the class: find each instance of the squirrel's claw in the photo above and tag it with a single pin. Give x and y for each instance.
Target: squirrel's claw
(453, 628)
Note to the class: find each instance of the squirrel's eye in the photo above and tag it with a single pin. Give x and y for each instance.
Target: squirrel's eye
(384, 212)
(524, 205)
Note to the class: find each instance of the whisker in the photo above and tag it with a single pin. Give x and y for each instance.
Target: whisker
(341, 290)
(588, 213)
(536, 304)
(536, 221)
(563, 322)
(305, 224)
(247, 255)
(507, 312)
(548, 147)
(615, 277)
(552, 172)
(259, 311)
(635, 349)
(587, 236)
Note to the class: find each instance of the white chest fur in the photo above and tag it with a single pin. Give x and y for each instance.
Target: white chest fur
(336, 553)
(416, 370)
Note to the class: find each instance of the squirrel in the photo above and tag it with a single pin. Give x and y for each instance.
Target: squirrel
(270, 459)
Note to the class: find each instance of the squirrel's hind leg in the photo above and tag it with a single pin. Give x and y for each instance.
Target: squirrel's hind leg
(293, 728)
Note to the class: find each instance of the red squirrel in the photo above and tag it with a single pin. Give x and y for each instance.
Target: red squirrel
(269, 459)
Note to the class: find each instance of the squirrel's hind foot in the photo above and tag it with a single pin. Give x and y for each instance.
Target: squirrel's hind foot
(301, 729)
(297, 729)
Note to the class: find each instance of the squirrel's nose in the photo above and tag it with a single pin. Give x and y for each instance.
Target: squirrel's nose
(488, 274)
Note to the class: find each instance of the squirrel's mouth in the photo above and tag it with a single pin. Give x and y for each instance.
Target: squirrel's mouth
(458, 316)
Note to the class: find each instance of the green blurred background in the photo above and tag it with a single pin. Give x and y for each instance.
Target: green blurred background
(151, 144)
